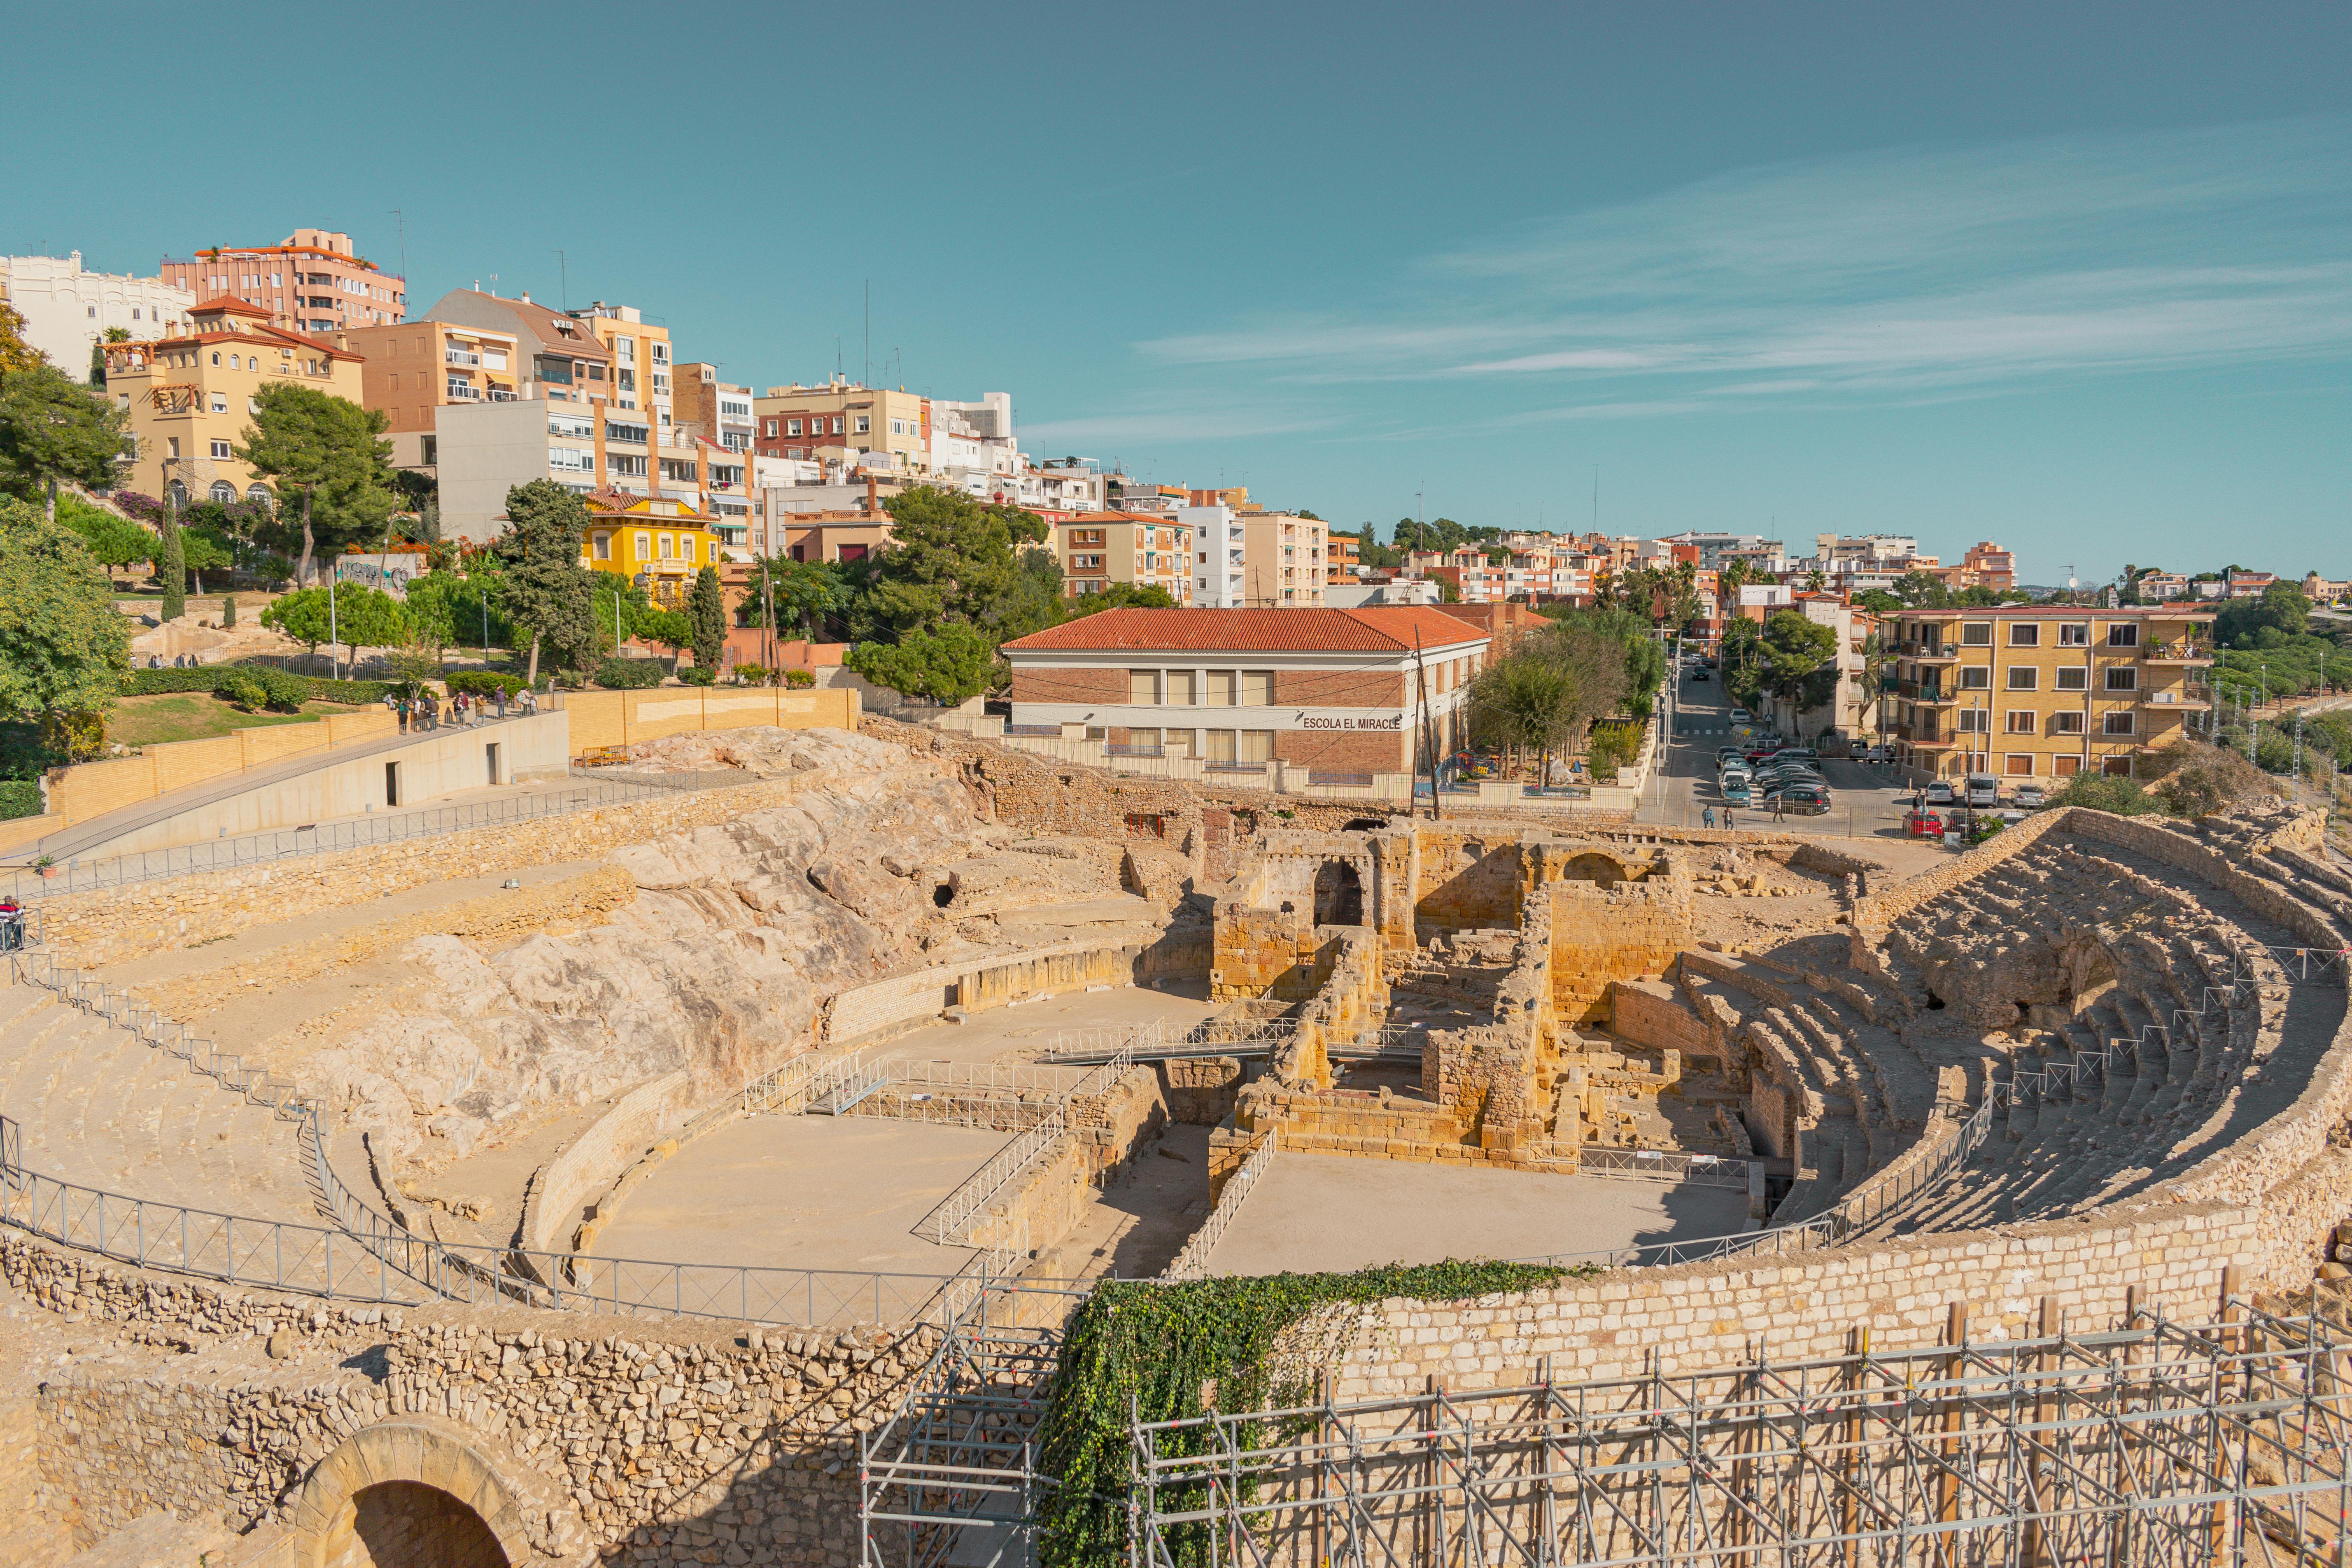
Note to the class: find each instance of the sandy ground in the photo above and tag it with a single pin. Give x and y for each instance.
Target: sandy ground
(1336, 1213)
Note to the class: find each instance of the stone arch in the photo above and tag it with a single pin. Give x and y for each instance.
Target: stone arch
(1595, 867)
(1338, 894)
(418, 1492)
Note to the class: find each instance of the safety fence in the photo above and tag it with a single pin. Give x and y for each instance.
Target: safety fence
(582, 792)
(1666, 1165)
(1192, 1260)
(960, 1213)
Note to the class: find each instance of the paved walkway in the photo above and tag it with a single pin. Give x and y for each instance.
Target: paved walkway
(85, 838)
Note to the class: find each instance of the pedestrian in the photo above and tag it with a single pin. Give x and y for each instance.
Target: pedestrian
(1708, 816)
(1778, 805)
(502, 702)
(1726, 815)
(400, 712)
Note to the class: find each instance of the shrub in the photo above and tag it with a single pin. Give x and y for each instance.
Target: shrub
(799, 677)
(284, 690)
(156, 682)
(752, 674)
(629, 674)
(2104, 791)
(484, 683)
(76, 737)
(228, 612)
(355, 691)
(19, 797)
(695, 675)
(241, 690)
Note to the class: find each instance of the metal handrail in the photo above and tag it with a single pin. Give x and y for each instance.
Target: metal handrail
(958, 1215)
(1192, 1260)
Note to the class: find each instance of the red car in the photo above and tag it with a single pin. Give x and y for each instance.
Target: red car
(1923, 825)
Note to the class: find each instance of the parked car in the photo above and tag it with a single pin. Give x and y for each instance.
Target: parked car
(1699, 674)
(2029, 797)
(1796, 754)
(1939, 791)
(1742, 716)
(1734, 775)
(1736, 791)
(1981, 790)
(1923, 825)
(1799, 799)
(1880, 753)
(1730, 753)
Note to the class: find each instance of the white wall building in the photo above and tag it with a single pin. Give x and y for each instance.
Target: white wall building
(65, 310)
(482, 450)
(1219, 552)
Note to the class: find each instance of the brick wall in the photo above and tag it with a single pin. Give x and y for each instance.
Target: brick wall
(1340, 689)
(1346, 751)
(1032, 685)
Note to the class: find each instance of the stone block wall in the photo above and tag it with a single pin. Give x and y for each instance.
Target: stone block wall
(662, 1441)
(1632, 932)
(864, 1014)
(592, 1161)
(1648, 1013)
(1199, 1091)
(1798, 1306)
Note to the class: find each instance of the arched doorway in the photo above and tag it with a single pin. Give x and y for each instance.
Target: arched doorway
(406, 1524)
(417, 1491)
(1339, 895)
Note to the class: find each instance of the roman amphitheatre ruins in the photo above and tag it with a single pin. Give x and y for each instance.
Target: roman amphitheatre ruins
(715, 1178)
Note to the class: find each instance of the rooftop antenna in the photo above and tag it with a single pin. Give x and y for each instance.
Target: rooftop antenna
(1596, 497)
(401, 218)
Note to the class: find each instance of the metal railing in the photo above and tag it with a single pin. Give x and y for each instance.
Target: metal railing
(603, 789)
(1192, 1260)
(959, 1213)
(1666, 1165)
(1154, 1040)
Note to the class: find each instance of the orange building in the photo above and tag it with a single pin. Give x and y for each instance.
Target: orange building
(311, 282)
(412, 370)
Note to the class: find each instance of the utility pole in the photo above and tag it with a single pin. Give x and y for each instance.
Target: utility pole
(1428, 742)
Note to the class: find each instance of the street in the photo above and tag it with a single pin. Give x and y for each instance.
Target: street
(1865, 801)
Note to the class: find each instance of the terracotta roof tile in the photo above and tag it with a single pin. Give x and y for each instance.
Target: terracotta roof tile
(1376, 629)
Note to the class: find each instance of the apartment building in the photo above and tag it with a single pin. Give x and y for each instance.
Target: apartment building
(2155, 587)
(1345, 693)
(1987, 565)
(416, 369)
(484, 449)
(1099, 548)
(558, 359)
(1282, 558)
(1159, 498)
(312, 281)
(1219, 554)
(719, 409)
(660, 545)
(67, 309)
(1717, 551)
(191, 396)
(643, 380)
(843, 420)
(1342, 554)
(1071, 485)
(2040, 693)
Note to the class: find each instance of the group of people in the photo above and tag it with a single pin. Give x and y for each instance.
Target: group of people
(424, 711)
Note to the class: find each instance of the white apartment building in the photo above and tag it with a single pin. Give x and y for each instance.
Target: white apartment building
(1220, 555)
(66, 309)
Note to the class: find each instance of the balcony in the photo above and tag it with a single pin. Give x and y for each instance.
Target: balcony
(1927, 739)
(2187, 654)
(1939, 653)
(461, 356)
(1924, 692)
(462, 392)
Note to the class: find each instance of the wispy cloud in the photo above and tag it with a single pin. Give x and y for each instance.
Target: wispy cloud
(1171, 423)
(1913, 271)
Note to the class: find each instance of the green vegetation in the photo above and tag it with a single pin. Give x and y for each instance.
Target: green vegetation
(706, 615)
(173, 570)
(327, 448)
(629, 674)
(547, 594)
(19, 797)
(1141, 1350)
(351, 614)
(484, 683)
(63, 648)
(53, 431)
(197, 716)
(947, 664)
(1122, 596)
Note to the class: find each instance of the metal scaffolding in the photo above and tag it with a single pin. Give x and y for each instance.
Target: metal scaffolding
(2157, 1445)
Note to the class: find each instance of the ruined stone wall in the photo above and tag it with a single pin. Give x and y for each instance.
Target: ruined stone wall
(1632, 932)
(669, 1439)
(1199, 1091)
(1881, 910)
(1262, 952)
(1468, 879)
(864, 1014)
(562, 1190)
(1648, 1014)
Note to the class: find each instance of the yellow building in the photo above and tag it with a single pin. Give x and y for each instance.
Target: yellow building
(660, 545)
(2036, 694)
(191, 395)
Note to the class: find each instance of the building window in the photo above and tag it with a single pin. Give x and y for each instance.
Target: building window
(220, 402)
(2020, 721)
(2065, 767)
(2023, 676)
(2123, 634)
(220, 449)
(2075, 634)
(2018, 764)
(223, 492)
(2024, 634)
(2072, 678)
(1257, 746)
(2065, 723)
(865, 424)
(1975, 678)
(1179, 689)
(836, 423)
(1969, 721)
(2127, 679)
(1976, 633)
(2117, 767)
(645, 543)
(2116, 724)
(1143, 688)
(603, 547)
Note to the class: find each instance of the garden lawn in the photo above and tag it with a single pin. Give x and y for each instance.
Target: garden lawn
(194, 716)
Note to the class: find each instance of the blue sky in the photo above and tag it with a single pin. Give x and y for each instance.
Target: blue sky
(2075, 279)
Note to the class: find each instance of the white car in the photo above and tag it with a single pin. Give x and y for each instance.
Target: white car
(1938, 793)
(1741, 716)
(2029, 797)
(1981, 790)
(1879, 754)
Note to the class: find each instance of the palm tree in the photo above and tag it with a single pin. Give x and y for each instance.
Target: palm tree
(1876, 655)
(1815, 580)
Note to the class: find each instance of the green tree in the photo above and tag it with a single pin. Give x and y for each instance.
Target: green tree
(63, 648)
(353, 616)
(16, 353)
(1032, 601)
(1801, 660)
(950, 559)
(1917, 588)
(113, 542)
(203, 551)
(1878, 602)
(52, 430)
(437, 606)
(327, 449)
(804, 593)
(1122, 596)
(2282, 607)
(173, 570)
(1544, 695)
(706, 608)
(674, 629)
(948, 664)
(547, 594)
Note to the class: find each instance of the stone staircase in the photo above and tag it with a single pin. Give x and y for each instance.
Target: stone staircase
(99, 1108)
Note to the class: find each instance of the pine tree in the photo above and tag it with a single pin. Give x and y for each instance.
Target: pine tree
(707, 609)
(544, 589)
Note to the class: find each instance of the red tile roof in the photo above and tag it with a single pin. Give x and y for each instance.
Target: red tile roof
(1374, 629)
(229, 305)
